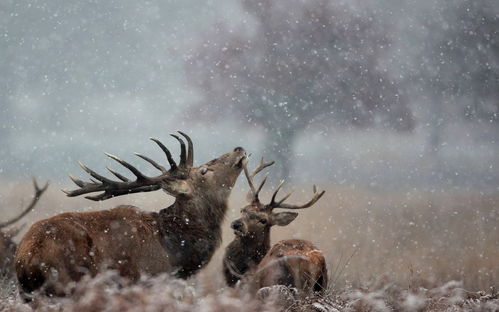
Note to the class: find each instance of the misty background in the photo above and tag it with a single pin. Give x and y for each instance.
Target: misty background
(383, 94)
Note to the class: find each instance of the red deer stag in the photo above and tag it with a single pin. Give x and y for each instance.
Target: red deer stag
(7, 245)
(179, 239)
(296, 263)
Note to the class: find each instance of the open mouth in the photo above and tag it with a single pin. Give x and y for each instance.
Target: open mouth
(239, 163)
(239, 233)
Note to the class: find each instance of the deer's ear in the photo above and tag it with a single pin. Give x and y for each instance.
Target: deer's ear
(283, 218)
(177, 187)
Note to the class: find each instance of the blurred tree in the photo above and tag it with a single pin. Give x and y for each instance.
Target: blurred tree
(460, 64)
(303, 63)
(476, 48)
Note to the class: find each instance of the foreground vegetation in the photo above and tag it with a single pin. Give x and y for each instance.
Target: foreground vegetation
(110, 292)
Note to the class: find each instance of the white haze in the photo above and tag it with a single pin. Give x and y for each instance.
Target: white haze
(79, 79)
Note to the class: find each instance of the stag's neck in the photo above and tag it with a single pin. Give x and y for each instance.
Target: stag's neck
(254, 248)
(191, 232)
(207, 210)
(243, 254)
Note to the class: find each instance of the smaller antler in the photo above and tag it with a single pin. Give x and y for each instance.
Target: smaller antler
(280, 204)
(250, 176)
(38, 193)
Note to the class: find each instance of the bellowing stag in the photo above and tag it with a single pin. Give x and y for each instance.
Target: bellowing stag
(179, 239)
(294, 263)
(7, 245)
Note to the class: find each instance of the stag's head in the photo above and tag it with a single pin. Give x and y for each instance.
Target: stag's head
(182, 179)
(218, 174)
(257, 218)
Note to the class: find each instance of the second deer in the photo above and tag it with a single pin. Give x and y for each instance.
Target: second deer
(7, 245)
(295, 263)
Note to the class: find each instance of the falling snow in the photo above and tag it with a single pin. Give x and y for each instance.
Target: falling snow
(390, 106)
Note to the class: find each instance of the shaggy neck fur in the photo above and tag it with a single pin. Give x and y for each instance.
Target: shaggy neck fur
(243, 254)
(191, 231)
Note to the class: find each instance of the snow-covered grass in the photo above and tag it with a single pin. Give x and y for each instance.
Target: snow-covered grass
(110, 292)
(402, 251)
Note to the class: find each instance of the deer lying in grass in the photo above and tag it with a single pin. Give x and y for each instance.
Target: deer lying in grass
(296, 263)
(7, 245)
(179, 239)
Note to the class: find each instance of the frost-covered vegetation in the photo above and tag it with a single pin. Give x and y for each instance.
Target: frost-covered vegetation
(109, 292)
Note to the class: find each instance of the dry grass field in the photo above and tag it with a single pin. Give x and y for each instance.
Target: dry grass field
(404, 250)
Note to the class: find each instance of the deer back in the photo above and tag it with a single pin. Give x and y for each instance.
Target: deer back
(294, 263)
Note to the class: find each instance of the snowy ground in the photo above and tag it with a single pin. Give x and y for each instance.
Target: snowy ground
(109, 292)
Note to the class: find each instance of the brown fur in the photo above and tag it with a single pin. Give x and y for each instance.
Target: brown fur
(295, 263)
(73, 244)
(179, 239)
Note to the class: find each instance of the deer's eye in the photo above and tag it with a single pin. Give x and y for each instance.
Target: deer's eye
(263, 221)
(204, 171)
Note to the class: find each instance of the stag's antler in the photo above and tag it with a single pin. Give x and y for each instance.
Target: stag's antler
(250, 176)
(280, 204)
(273, 203)
(142, 183)
(38, 193)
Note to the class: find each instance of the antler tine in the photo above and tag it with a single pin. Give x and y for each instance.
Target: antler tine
(106, 195)
(261, 166)
(116, 174)
(283, 199)
(152, 162)
(249, 178)
(272, 204)
(183, 158)
(94, 174)
(190, 149)
(261, 185)
(76, 181)
(172, 162)
(312, 201)
(38, 193)
(135, 171)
